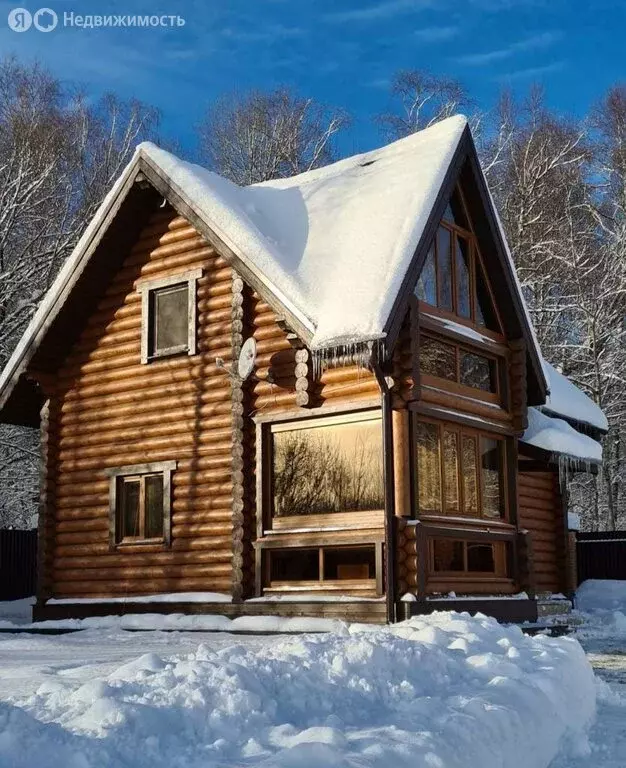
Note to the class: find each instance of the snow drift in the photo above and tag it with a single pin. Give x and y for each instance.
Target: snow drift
(443, 691)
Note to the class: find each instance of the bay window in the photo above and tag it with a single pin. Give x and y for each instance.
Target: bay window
(460, 472)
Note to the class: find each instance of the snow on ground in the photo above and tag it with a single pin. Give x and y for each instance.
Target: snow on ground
(601, 609)
(441, 691)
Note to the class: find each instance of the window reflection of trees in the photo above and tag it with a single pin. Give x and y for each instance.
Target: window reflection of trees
(328, 469)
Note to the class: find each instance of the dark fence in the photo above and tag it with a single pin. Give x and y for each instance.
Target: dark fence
(601, 555)
(18, 564)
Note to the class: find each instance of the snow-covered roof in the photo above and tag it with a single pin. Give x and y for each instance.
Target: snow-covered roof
(558, 437)
(566, 400)
(333, 244)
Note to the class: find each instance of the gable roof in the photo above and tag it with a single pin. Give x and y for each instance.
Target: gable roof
(331, 249)
(332, 244)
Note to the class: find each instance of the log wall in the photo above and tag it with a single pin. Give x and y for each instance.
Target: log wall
(541, 512)
(108, 410)
(111, 411)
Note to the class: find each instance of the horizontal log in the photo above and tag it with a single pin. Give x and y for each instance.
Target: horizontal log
(274, 401)
(168, 571)
(96, 548)
(332, 391)
(120, 558)
(188, 531)
(104, 435)
(78, 464)
(347, 374)
(126, 588)
(145, 412)
(130, 365)
(170, 444)
(99, 523)
(159, 397)
(182, 370)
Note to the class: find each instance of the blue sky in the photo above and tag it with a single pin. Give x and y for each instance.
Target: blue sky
(342, 52)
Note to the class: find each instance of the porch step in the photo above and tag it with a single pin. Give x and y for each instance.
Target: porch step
(505, 610)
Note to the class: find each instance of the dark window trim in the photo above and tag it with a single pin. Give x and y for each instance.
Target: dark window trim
(477, 432)
(146, 288)
(476, 260)
(130, 470)
(293, 420)
(499, 397)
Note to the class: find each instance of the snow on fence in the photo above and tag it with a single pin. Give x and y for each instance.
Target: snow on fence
(18, 564)
(601, 555)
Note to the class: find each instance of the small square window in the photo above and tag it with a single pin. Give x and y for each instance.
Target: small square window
(139, 503)
(168, 316)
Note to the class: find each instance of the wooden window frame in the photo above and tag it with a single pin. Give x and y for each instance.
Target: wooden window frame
(460, 429)
(266, 522)
(456, 387)
(147, 289)
(323, 584)
(500, 560)
(475, 257)
(140, 471)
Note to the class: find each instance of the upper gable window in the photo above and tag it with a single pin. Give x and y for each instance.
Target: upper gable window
(452, 278)
(168, 317)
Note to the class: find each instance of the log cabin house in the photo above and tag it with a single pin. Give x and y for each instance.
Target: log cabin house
(399, 437)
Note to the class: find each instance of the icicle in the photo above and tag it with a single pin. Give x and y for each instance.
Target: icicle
(357, 353)
(570, 464)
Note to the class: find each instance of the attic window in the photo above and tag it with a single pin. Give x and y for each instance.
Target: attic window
(168, 316)
(452, 278)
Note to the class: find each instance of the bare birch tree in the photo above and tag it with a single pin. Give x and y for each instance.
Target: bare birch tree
(261, 136)
(59, 155)
(420, 99)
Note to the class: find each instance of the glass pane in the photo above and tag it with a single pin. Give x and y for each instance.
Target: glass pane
(470, 476)
(428, 467)
(451, 471)
(437, 359)
(485, 314)
(463, 283)
(444, 262)
(426, 289)
(448, 555)
(294, 565)
(478, 372)
(129, 505)
(170, 330)
(349, 563)
(154, 507)
(448, 215)
(333, 468)
(480, 558)
(491, 455)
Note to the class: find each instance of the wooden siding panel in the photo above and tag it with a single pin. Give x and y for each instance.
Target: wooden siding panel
(540, 511)
(114, 411)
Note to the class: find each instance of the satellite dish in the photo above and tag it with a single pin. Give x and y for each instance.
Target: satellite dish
(247, 358)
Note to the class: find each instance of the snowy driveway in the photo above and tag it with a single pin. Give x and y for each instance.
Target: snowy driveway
(607, 739)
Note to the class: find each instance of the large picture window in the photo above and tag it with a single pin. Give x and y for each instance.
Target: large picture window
(453, 278)
(459, 471)
(326, 467)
